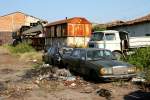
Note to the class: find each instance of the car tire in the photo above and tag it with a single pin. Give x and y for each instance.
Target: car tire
(61, 64)
(52, 62)
(94, 76)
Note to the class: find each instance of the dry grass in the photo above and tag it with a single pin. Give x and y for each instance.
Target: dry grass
(4, 50)
(31, 56)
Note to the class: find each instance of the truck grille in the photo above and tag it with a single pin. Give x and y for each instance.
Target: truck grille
(118, 70)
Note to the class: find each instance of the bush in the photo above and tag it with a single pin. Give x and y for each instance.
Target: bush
(31, 56)
(20, 48)
(141, 58)
(97, 28)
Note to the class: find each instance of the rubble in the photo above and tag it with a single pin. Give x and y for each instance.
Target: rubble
(14, 91)
(138, 79)
(49, 73)
(104, 93)
(87, 89)
(2, 86)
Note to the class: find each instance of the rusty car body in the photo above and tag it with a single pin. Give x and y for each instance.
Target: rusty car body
(98, 64)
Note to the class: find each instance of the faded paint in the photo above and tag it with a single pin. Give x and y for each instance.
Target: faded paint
(79, 30)
(77, 41)
(69, 41)
(70, 32)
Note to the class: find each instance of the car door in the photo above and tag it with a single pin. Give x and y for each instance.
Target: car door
(83, 64)
(50, 55)
(74, 60)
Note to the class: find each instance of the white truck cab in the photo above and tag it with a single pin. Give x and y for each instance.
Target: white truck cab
(116, 41)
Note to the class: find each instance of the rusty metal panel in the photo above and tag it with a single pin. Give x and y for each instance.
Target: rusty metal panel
(47, 32)
(64, 30)
(79, 30)
(58, 31)
(70, 29)
(88, 30)
(52, 33)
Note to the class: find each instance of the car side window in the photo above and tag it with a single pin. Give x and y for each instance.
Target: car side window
(52, 51)
(76, 53)
(108, 53)
(82, 54)
(49, 50)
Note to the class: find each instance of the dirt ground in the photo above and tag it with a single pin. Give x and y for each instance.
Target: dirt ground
(15, 86)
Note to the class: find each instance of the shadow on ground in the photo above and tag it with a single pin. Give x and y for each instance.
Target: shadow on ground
(138, 95)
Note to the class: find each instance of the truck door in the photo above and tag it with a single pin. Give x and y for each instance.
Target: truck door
(124, 40)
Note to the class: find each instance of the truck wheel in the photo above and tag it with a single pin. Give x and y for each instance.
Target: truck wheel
(118, 55)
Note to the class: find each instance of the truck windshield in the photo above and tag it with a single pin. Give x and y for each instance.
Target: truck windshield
(98, 54)
(97, 36)
(110, 36)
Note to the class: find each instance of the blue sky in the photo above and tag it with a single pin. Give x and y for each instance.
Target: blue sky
(98, 11)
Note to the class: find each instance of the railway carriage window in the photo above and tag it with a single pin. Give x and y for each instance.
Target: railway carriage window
(110, 36)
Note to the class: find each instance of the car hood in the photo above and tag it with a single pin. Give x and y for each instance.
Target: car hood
(110, 63)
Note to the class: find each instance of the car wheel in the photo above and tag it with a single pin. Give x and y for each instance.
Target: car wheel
(94, 76)
(52, 62)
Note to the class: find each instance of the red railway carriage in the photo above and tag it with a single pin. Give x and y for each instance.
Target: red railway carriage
(69, 30)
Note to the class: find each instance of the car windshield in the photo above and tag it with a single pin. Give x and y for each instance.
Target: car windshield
(97, 36)
(98, 54)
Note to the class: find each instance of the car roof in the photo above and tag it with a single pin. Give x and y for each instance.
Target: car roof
(88, 49)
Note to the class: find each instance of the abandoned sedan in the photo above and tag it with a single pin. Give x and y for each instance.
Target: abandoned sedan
(54, 54)
(98, 64)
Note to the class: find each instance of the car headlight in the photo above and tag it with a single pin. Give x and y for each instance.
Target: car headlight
(104, 71)
(131, 69)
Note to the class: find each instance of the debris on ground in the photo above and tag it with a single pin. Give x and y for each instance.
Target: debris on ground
(138, 79)
(49, 73)
(14, 91)
(2, 87)
(87, 89)
(6, 71)
(104, 93)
